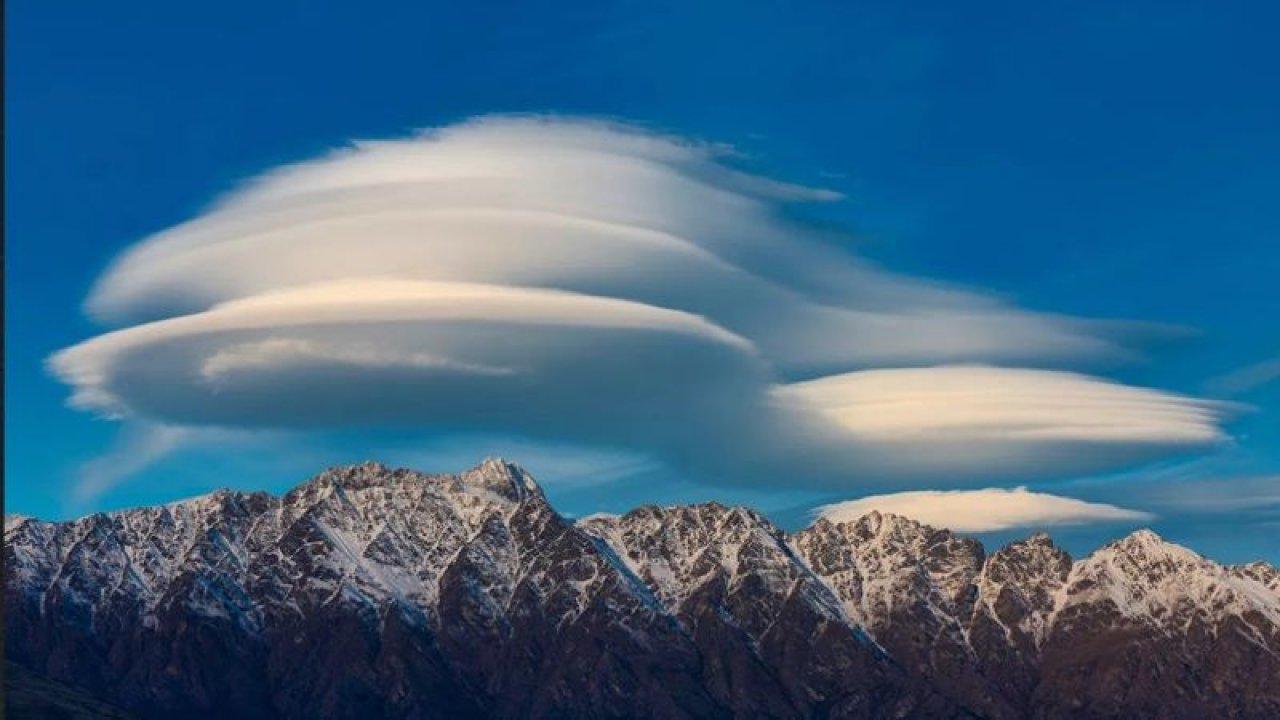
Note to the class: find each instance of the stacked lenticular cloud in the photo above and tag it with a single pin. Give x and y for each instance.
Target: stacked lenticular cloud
(585, 282)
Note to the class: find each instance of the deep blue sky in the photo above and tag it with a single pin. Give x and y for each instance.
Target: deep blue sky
(1101, 159)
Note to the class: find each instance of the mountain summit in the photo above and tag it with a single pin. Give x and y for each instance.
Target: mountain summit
(376, 592)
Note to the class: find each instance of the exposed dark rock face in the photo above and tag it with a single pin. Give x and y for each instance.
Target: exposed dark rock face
(1017, 593)
(774, 638)
(912, 588)
(1141, 628)
(377, 593)
(366, 592)
(27, 695)
(1146, 628)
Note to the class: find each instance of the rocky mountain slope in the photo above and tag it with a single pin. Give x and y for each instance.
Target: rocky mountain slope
(378, 593)
(27, 695)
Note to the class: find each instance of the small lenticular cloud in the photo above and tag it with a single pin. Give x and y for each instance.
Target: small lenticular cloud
(983, 510)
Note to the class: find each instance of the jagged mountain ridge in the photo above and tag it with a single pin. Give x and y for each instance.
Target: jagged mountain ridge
(375, 592)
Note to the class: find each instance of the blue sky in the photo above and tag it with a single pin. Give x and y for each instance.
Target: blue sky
(1092, 160)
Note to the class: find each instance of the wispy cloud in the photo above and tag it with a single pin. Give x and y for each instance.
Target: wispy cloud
(139, 445)
(1204, 495)
(1245, 379)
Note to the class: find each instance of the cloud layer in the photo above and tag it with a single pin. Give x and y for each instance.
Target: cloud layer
(986, 510)
(583, 282)
(583, 207)
(1002, 421)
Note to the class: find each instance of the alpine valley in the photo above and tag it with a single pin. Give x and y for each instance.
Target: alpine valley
(371, 592)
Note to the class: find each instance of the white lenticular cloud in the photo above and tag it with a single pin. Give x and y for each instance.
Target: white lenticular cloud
(586, 283)
(989, 404)
(966, 421)
(583, 207)
(985, 510)
(415, 353)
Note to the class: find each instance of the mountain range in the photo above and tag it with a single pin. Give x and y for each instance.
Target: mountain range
(372, 592)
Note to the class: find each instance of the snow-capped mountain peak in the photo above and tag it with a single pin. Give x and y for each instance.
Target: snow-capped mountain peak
(1146, 579)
